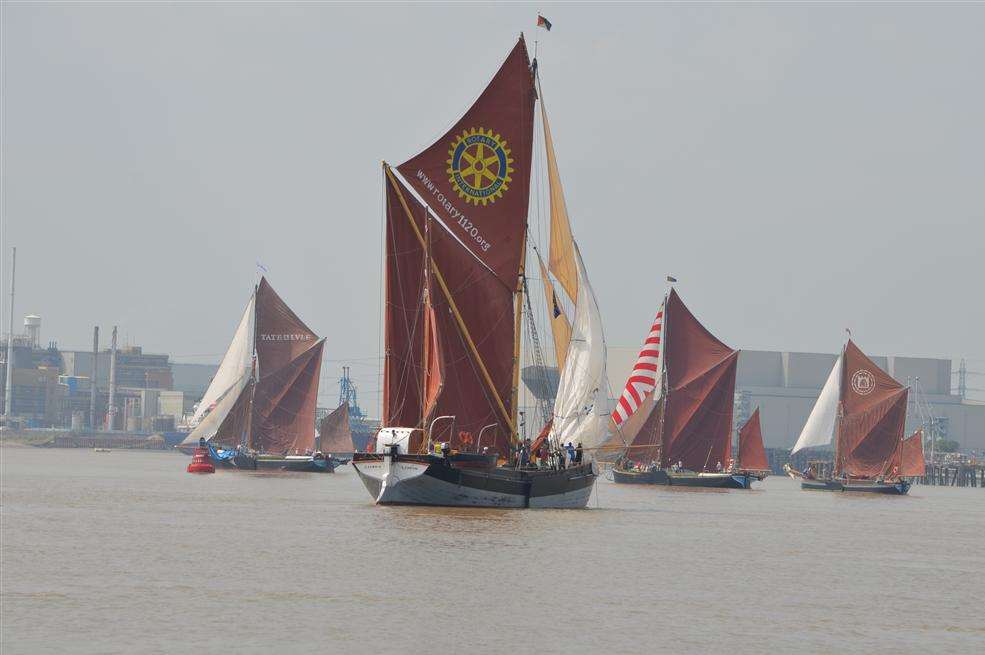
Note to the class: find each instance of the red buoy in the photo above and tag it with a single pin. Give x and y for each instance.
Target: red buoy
(201, 463)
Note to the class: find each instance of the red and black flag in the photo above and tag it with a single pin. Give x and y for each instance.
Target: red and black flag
(543, 22)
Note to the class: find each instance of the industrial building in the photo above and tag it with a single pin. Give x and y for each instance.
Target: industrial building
(52, 387)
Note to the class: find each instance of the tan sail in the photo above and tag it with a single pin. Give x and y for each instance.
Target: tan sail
(560, 326)
(561, 260)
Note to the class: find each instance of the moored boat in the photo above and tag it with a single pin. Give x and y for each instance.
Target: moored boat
(456, 245)
(862, 410)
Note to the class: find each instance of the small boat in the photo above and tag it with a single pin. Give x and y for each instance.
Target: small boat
(675, 412)
(456, 302)
(102, 450)
(862, 410)
(261, 402)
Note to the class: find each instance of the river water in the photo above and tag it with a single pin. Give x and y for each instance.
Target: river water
(124, 552)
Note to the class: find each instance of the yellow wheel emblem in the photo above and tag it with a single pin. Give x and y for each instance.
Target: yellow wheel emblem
(479, 166)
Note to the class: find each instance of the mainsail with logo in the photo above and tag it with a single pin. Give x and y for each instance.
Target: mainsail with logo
(263, 396)
(862, 411)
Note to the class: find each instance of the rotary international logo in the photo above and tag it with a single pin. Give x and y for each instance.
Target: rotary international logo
(863, 382)
(479, 166)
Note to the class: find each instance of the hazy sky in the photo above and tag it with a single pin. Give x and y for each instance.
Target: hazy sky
(800, 168)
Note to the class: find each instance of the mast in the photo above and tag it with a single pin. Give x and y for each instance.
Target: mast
(111, 410)
(8, 396)
(92, 385)
(664, 387)
(517, 327)
(247, 439)
(836, 465)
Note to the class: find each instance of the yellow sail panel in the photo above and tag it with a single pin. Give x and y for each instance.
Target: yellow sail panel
(560, 326)
(561, 261)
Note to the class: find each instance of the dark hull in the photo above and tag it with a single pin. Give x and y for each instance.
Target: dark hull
(900, 488)
(430, 480)
(295, 465)
(663, 476)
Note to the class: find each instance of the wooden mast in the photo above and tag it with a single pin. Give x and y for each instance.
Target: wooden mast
(517, 327)
(452, 305)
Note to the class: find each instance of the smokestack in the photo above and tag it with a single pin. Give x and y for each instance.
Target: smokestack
(95, 369)
(8, 396)
(111, 409)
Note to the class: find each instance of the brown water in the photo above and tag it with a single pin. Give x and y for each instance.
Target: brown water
(124, 552)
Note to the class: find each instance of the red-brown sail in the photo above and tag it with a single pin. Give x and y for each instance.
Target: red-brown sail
(912, 463)
(697, 420)
(486, 309)
(284, 404)
(334, 433)
(477, 176)
(873, 407)
(280, 336)
(476, 179)
(645, 445)
(752, 454)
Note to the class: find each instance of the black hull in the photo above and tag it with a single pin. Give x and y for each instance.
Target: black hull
(669, 478)
(431, 480)
(900, 488)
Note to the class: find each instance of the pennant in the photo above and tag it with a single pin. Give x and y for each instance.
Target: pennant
(543, 22)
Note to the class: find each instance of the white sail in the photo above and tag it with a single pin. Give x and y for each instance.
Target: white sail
(820, 427)
(581, 411)
(210, 424)
(236, 363)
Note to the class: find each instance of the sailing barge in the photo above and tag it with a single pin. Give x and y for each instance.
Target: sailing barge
(456, 242)
(259, 409)
(675, 413)
(862, 409)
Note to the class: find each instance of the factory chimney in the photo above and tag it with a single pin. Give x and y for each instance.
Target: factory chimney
(8, 396)
(111, 409)
(32, 327)
(92, 386)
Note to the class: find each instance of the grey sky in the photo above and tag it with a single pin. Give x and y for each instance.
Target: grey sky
(800, 168)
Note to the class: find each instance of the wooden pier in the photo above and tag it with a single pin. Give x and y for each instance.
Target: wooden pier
(958, 474)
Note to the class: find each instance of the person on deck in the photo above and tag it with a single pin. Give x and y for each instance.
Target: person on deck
(446, 450)
(201, 442)
(579, 453)
(571, 453)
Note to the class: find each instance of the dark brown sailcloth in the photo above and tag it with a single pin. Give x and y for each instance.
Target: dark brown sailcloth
(873, 413)
(334, 433)
(752, 454)
(911, 462)
(697, 420)
(288, 366)
(474, 248)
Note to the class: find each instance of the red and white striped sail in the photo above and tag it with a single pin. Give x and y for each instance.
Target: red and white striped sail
(645, 377)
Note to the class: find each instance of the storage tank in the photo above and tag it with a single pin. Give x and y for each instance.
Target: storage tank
(32, 328)
(78, 421)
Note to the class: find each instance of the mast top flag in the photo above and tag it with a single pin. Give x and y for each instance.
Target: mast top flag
(543, 22)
